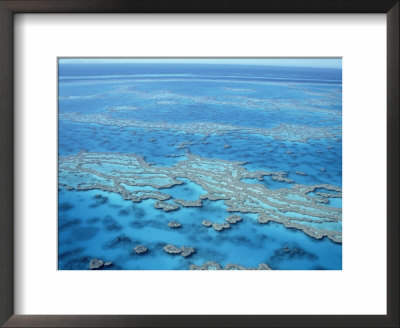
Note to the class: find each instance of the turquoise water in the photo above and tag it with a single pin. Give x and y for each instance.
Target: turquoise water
(255, 118)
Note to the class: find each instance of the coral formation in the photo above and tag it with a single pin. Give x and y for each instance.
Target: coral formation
(232, 219)
(210, 265)
(185, 251)
(95, 264)
(206, 223)
(140, 249)
(174, 224)
(300, 207)
(289, 132)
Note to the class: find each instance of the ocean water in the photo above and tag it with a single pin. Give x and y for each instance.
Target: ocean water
(141, 145)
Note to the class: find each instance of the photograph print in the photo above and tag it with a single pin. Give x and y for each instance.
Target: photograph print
(199, 163)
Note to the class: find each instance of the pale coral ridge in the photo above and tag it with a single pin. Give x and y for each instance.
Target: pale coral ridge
(288, 132)
(297, 207)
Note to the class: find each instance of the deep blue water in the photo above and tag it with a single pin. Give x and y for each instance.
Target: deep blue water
(242, 96)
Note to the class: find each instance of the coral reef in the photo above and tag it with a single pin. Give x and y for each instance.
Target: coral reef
(174, 224)
(206, 223)
(206, 266)
(210, 265)
(300, 207)
(232, 219)
(140, 249)
(289, 132)
(185, 251)
(171, 249)
(95, 264)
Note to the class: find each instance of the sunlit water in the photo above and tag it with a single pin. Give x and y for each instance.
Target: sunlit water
(100, 224)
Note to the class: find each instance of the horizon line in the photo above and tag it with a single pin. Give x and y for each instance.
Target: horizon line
(315, 62)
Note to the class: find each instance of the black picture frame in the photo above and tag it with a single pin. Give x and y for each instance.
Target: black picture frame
(10, 7)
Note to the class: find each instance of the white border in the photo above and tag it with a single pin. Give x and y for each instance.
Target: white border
(360, 288)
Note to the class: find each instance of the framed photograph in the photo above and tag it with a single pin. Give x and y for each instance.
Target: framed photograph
(199, 164)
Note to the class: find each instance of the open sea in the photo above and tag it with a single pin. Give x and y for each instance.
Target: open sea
(142, 145)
